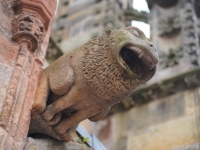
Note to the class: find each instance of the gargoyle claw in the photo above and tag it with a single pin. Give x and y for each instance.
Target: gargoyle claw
(59, 131)
(38, 108)
(48, 114)
(55, 119)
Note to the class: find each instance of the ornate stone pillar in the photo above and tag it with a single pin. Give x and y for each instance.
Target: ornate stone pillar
(22, 56)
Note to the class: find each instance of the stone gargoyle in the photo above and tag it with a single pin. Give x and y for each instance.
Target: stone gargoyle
(86, 82)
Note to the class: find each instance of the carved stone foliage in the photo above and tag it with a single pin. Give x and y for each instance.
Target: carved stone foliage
(171, 58)
(185, 27)
(169, 25)
(190, 37)
(42, 9)
(28, 29)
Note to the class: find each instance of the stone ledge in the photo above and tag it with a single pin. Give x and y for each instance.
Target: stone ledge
(164, 88)
(47, 143)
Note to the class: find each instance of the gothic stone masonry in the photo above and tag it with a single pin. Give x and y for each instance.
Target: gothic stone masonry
(167, 107)
(179, 28)
(82, 20)
(24, 35)
(87, 81)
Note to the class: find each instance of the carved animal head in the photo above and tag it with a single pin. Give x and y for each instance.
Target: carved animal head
(134, 52)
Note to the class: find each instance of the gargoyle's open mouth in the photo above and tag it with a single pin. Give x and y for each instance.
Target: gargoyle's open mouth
(137, 61)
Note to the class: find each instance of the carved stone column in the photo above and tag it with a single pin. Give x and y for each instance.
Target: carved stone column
(30, 30)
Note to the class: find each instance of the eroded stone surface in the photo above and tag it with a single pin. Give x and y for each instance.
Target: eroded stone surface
(46, 143)
(22, 32)
(5, 76)
(172, 119)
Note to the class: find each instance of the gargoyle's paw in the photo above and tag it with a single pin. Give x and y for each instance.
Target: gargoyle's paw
(59, 130)
(68, 136)
(38, 108)
(55, 119)
(47, 115)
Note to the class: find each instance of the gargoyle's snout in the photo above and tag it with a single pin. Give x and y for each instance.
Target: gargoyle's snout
(140, 59)
(136, 53)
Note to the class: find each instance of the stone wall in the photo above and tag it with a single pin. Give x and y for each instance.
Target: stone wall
(175, 32)
(160, 124)
(164, 113)
(47, 143)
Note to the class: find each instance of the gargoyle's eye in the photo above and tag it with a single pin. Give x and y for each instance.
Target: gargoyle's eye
(135, 33)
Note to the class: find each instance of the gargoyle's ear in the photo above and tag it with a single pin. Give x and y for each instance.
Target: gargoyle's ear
(108, 32)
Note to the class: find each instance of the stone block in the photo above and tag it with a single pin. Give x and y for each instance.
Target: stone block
(162, 123)
(46, 143)
(181, 131)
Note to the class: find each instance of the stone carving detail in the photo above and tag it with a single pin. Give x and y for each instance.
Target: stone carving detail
(108, 78)
(26, 33)
(30, 21)
(171, 59)
(169, 25)
(86, 82)
(186, 22)
(190, 44)
(28, 29)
